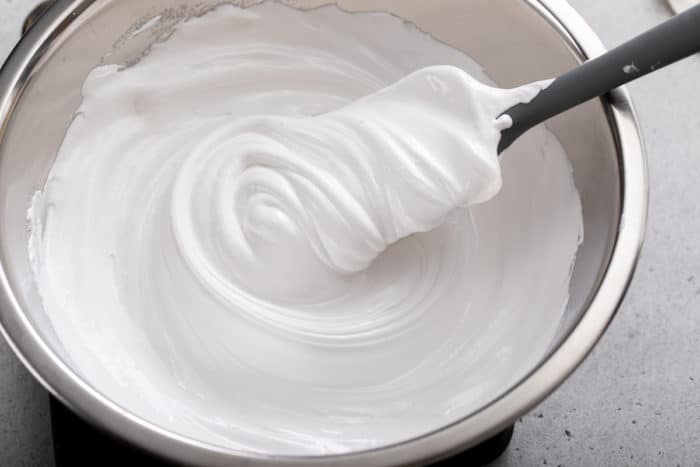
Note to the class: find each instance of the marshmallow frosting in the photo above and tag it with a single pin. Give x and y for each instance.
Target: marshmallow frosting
(281, 231)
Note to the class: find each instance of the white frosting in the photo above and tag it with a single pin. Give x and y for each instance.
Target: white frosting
(289, 207)
(248, 238)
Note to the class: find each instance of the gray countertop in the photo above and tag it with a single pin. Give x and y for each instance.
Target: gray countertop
(636, 399)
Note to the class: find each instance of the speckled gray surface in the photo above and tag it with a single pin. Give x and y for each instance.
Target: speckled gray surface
(636, 399)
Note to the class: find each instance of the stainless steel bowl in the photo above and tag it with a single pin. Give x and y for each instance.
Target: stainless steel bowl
(516, 42)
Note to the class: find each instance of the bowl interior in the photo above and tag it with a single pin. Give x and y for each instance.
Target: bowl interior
(516, 42)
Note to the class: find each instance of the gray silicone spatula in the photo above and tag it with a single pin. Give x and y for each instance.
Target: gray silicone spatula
(667, 43)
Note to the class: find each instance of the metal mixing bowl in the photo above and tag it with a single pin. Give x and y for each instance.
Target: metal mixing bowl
(515, 41)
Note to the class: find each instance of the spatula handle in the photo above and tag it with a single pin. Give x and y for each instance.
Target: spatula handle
(667, 43)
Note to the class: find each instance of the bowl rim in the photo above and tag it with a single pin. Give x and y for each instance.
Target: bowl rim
(46, 366)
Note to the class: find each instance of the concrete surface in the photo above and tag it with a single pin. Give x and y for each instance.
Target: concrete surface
(636, 399)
